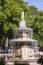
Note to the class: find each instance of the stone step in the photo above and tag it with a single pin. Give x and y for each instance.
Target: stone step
(33, 63)
(10, 63)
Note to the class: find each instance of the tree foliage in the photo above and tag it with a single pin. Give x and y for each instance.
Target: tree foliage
(10, 13)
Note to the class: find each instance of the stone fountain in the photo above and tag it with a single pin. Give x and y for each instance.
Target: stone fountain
(25, 48)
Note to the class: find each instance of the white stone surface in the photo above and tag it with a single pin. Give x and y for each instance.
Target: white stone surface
(24, 52)
(22, 22)
(33, 63)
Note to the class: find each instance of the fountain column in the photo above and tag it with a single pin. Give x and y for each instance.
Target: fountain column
(22, 22)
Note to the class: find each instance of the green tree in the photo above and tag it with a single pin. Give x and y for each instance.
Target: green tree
(10, 13)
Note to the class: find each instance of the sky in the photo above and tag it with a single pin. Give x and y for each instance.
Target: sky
(37, 3)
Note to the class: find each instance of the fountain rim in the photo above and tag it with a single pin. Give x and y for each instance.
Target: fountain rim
(24, 29)
(23, 40)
